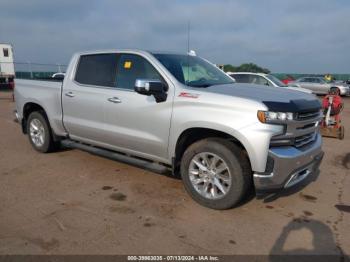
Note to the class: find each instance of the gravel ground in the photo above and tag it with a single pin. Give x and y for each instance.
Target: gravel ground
(73, 202)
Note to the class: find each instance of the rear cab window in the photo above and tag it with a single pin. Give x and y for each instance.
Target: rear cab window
(97, 70)
(241, 78)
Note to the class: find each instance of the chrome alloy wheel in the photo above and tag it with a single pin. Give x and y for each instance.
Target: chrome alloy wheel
(37, 132)
(210, 175)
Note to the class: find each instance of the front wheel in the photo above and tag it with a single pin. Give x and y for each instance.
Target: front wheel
(216, 173)
(39, 133)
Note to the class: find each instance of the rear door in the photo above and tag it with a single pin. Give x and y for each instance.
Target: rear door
(84, 97)
(306, 82)
(321, 87)
(135, 122)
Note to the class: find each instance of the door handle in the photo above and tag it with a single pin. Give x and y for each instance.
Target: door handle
(115, 100)
(70, 94)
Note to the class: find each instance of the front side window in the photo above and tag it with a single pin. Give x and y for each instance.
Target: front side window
(97, 70)
(276, 81)
(6, 52)
(259, 80)
(131, 67)
(193, 71)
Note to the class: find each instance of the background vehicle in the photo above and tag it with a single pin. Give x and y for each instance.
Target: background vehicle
(7, 69)
(181, 111)
(319, 86)
(262, 79)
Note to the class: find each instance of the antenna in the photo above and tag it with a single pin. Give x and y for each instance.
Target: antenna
(188, 35)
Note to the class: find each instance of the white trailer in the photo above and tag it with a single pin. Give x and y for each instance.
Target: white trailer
(7, 68)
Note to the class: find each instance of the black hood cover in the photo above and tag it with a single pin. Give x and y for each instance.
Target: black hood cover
(300, 105)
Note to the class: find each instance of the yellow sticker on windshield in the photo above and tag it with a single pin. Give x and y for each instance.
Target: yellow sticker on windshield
(127, 64)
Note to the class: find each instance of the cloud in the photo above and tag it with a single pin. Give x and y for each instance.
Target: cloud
(285, 36)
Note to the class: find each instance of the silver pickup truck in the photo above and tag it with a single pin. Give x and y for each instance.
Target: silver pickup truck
(182, 112)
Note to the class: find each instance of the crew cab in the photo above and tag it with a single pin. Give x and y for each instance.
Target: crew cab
(179, 111)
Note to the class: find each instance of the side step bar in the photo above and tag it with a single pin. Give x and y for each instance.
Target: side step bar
(138, 162)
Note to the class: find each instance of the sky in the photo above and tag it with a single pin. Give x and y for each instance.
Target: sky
(296, 36)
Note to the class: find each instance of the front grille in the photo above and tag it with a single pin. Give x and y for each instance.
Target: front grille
(307, 115)
(304, 140)
(301, 132)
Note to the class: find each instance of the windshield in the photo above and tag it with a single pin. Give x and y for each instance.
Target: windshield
(276, 81)
(193, 71)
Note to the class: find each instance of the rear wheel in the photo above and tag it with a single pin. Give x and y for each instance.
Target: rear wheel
(216, 173)
(39, 133)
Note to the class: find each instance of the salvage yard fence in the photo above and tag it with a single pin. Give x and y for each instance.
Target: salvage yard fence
(29, 70)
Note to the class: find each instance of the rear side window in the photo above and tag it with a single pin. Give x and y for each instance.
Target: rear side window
(241, 78)
(98, 70)
(6, 52)
(132, 67)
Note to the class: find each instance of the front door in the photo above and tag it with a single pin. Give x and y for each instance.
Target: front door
(134, 122)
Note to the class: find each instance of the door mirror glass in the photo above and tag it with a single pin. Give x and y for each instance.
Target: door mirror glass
(152, 87)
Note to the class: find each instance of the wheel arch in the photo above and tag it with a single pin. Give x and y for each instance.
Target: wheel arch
(29, 108)
(194, 134)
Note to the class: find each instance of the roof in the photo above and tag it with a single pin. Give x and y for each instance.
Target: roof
(140, 51)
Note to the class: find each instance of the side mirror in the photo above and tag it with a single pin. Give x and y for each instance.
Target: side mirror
(152, 87)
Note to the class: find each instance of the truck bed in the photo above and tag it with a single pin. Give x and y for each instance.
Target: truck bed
(47, 94)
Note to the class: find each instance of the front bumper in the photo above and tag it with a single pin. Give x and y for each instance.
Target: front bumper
(287, 166)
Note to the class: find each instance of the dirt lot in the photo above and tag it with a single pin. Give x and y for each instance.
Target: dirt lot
(72, 202)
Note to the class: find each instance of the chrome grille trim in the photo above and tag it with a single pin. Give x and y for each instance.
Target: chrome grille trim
(307, 115)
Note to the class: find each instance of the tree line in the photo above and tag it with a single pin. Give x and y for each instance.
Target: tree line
(248, 67)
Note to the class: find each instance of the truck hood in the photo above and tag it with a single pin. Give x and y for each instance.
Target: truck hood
(276, 99)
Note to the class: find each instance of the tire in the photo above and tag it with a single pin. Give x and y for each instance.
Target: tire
(238, 172)
(39, 120)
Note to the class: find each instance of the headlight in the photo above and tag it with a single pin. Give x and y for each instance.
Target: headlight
(270, 117)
